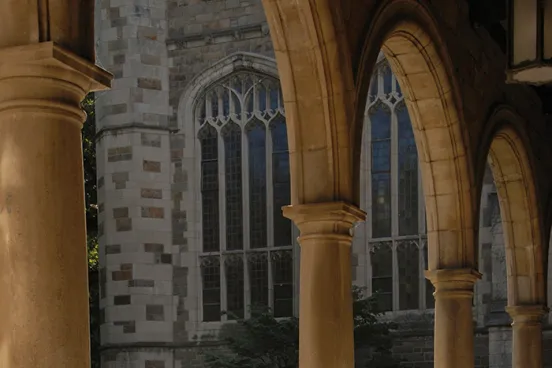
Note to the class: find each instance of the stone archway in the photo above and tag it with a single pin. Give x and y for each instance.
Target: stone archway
(522, 224)
(324, 105)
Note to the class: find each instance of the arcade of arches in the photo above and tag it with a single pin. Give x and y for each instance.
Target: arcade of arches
(452, 77)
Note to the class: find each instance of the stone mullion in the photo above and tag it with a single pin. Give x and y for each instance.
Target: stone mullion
(246, 200)
(222, 219)
(395, 206)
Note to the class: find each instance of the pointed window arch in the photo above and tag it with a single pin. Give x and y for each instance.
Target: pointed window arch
(394, 199)
(240, 124)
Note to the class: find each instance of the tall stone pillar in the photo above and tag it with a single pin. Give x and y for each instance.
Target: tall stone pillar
(454, 345)
(527, 335)
(326, 319)
(43, 266)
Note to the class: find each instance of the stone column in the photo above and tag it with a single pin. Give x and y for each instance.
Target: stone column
(326, 318)
(526, 335)
(43, 266)
(454, 344)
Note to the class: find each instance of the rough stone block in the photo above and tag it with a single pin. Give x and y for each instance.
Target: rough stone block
(151, 140)
(153, 212)
(151, 193)
(155, 313)
(121, 299)
(123, 224)
(120, 212)
(153, 248)
(150, 83)
(154, 364)
(141, 283)
(119, 154)
(113, 249)
(151, 166)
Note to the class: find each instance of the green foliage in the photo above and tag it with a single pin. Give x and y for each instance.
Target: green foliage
(91, 210)
(263, 341)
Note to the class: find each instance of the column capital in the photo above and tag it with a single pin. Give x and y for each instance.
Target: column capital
(45, 78)
(527, 313)
(324, 218)
(453, 283)
(31, 60)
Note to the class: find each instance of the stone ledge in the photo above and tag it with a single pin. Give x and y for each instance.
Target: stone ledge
(49, 53)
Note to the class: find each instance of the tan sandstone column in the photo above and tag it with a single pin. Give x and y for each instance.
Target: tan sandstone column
(43, 266)
(526, 335)
(326, 317)
(453, 345)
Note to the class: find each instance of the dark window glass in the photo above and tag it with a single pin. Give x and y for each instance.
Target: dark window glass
(214, 105)
(233, 170)
(256, 137)
(234, 286)
(225, 102)
(382, 275)
(280, 182)
(408, 175)
(409, 275)
(262, 97)
(282, 267)
(274, 98)
(380, 119)
(210, 272)
(209, 188)
(258, 279)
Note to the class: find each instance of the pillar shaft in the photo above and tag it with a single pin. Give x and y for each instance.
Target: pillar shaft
(326, 316)
(43, 266)
(527, 335)
(453, 342)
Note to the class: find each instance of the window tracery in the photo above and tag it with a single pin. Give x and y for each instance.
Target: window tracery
(240, 124)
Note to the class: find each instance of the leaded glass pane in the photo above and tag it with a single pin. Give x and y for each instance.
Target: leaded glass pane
(282, 269)
(225, 102)
(382, 274)
(234, 286)
(387, 80)
(233, 170)
(274, 98)
(409, 275)
(258, 278)
(262, 97)
(209, 188)
(256, 137)
(214, 105)
(210, 272)
(280, 182)
(408, 174)
(380, 119)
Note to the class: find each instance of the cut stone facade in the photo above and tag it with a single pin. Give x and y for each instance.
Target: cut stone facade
(148, 186)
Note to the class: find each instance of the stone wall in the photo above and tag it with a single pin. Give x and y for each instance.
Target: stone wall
(201, 34)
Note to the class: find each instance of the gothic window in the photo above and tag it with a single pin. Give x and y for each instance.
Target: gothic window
(241, 128)
(396, 232)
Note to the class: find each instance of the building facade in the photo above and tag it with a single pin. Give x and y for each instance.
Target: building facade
(193, 169)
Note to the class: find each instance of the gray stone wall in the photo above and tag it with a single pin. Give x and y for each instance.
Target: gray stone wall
(137, 303)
